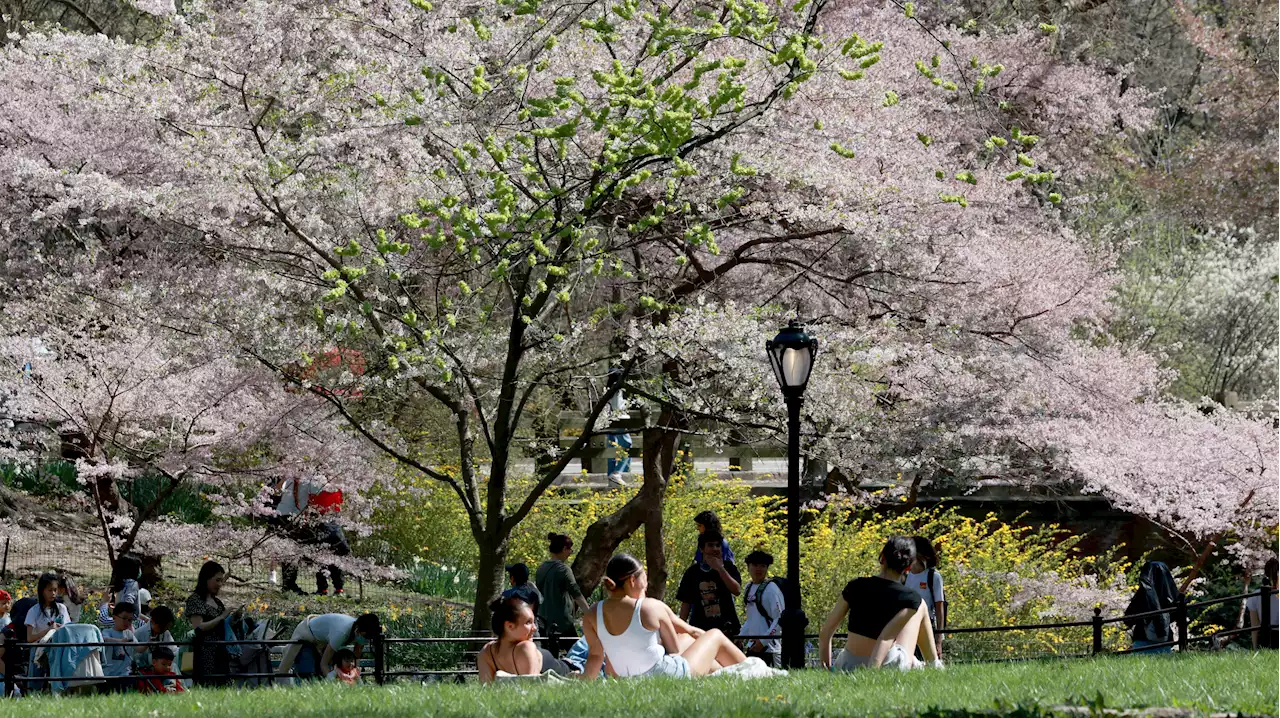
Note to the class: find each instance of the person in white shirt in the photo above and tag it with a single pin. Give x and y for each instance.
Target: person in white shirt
(1265, 638)
(47, 615)
(925, 580)
(765, 604)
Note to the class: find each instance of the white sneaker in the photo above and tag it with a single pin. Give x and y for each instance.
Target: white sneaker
(936, 663)
(616, 480)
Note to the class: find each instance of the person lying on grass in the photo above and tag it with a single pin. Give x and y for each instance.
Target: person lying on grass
(886, 619)
(515, 652)
(639, 637)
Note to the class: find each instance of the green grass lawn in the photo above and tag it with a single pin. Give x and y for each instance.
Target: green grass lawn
(1225, 682)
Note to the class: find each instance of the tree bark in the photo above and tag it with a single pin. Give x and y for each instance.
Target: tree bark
(644, 509)
(489, 579)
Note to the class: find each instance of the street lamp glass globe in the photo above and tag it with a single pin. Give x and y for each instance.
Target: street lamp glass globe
(791, 355)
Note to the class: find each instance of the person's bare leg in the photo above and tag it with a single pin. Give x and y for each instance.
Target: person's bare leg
(928, 641)
(710, 652)
(910, 635)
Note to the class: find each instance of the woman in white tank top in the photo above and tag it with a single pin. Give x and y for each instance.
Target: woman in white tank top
(639, 637)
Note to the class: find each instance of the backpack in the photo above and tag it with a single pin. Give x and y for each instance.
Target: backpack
(940, 620)
(778, 581)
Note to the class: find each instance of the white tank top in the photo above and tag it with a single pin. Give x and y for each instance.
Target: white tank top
(635, 650)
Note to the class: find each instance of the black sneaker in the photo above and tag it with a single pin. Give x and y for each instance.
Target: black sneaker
(322, 592)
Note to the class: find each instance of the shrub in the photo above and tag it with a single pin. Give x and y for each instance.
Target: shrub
(995, 573)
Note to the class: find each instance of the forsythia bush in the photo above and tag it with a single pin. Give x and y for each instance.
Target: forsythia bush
(995, 573)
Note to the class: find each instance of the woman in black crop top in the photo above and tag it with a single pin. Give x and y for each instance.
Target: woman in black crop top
(886, 619)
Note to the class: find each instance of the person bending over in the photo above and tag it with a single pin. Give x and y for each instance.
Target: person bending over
(635, 636)
(886, 619)
(328, 634)
(514, 650)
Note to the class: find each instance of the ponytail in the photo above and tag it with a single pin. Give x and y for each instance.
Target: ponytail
(621, 567)
(558, 542)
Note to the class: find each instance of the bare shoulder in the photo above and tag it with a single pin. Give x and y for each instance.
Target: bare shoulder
(653, 612)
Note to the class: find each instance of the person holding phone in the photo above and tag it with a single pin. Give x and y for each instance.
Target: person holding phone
(206, 612)
(47, 615)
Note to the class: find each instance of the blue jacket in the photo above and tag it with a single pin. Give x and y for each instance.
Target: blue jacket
(63, 661)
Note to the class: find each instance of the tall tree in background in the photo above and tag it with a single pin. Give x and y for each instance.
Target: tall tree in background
(482, 206)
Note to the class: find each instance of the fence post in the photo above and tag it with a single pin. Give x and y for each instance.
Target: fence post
(1264, 614)
(4, 566)
(11, 658)
(197, 667)
(1180, 615)
(379, 660)
(1097, 630)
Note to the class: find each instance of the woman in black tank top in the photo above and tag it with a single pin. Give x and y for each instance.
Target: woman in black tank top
(886, 619)
(515, 652)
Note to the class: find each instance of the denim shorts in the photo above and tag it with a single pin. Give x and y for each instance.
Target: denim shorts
(669, 666)
(896, 658)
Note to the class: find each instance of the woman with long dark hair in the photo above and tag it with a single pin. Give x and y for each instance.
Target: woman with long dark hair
(47, 615)
(887, 620)
(514, 651)
(206, 612)
(644, 637)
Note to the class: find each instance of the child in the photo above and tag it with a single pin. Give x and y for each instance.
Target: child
(345, 668)
(159, 676)
(156, 629)
(47, 615)
(117, 661)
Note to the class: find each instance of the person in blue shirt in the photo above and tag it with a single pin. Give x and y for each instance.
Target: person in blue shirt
(708, 521)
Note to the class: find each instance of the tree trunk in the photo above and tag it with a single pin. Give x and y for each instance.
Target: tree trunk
(655, 551)
(152, 571)
(608, 532)
(489, 579)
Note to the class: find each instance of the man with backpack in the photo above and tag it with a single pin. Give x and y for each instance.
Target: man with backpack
(765, 601)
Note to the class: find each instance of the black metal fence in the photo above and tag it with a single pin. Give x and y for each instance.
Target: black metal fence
(382, 645)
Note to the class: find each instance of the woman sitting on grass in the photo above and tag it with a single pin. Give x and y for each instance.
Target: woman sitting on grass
(640, 637)
(515, 652)
(886, 619)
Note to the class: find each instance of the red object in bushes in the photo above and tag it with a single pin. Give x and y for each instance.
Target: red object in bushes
(326, 502)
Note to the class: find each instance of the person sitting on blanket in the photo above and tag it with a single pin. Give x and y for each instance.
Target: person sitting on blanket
(514, 651)
(886, 619)
(644, 637)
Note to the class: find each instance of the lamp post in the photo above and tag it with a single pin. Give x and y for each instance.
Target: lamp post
(791, 354)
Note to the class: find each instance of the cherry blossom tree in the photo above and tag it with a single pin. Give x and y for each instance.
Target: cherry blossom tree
(492, 210)
(140, 399)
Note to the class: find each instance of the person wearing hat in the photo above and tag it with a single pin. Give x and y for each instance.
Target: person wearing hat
(523, 588)
(5, 601)
(765, 603)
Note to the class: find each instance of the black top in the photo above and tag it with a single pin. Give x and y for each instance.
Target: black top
(874, 601)
(712, 604)
(18, 614)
